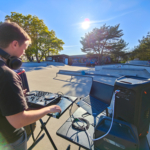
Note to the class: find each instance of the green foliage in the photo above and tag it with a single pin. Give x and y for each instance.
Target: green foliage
(44, 42)
(142, 51)
(118, 50)
(103, 40)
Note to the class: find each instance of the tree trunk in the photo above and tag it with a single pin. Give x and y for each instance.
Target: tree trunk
(101, 55)
(29, 58)
(37, 59)
(45, 57)
(99, 59)
(41, 56)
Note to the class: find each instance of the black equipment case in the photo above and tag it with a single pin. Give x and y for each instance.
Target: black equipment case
(133, 102)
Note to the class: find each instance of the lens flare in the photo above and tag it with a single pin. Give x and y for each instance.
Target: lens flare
(86, 24)
(3, 143)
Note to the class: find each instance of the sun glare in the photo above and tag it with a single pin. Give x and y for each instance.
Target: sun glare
(86, 24)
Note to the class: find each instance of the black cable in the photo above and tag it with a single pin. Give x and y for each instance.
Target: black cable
(60, 94)
(88, 124)
(82, 128)
(68, 98)
(79, 127)
(85, 114)
(71, 115)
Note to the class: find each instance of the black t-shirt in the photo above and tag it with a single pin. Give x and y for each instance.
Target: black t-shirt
(12, 101)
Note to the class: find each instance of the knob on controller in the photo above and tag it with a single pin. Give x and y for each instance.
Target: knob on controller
(31, 93)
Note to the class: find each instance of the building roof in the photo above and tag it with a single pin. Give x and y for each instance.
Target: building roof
(78, 55)
(58, 55)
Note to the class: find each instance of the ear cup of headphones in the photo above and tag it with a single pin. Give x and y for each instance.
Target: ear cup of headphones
(14, 63)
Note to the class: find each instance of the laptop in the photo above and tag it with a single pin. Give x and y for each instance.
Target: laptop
(99, 98)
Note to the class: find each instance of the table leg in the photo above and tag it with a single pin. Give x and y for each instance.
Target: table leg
(42, 127)
(68, 148)
(47, 133)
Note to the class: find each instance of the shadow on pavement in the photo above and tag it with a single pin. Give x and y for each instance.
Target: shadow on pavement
(77, 86)
(27, 69)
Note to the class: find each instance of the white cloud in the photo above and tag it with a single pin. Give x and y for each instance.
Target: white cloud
(105, 20)
(99, 21)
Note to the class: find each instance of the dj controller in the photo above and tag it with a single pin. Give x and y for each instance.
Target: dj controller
(38, 99)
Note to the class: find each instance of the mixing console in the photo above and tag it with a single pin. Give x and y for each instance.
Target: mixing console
(42, 99)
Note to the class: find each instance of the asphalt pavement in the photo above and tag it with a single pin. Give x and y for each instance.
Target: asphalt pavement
(44, 79)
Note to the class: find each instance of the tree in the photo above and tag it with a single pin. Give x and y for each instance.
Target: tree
(43, 40)
(118, 50)
(142, 51)
(101, 40)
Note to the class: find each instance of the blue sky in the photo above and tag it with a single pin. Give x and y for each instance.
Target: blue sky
(65, 17)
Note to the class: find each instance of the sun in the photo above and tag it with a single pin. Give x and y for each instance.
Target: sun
(86, 24)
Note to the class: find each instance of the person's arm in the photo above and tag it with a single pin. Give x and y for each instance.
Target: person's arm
(27, 117)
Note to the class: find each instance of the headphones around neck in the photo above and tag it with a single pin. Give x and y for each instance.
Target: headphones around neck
(12, 62)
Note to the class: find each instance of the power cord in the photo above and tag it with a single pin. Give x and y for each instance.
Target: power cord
(117, 91)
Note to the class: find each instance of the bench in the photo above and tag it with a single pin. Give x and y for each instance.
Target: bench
(72, 73)
(83, 74)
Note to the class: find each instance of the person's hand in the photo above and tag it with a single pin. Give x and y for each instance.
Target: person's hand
(54, 109)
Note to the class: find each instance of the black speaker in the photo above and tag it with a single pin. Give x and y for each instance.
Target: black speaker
(132, 103)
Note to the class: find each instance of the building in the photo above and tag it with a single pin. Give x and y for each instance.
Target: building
(81, 60)
(84, 60)
(88, 60)
(58, 58)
